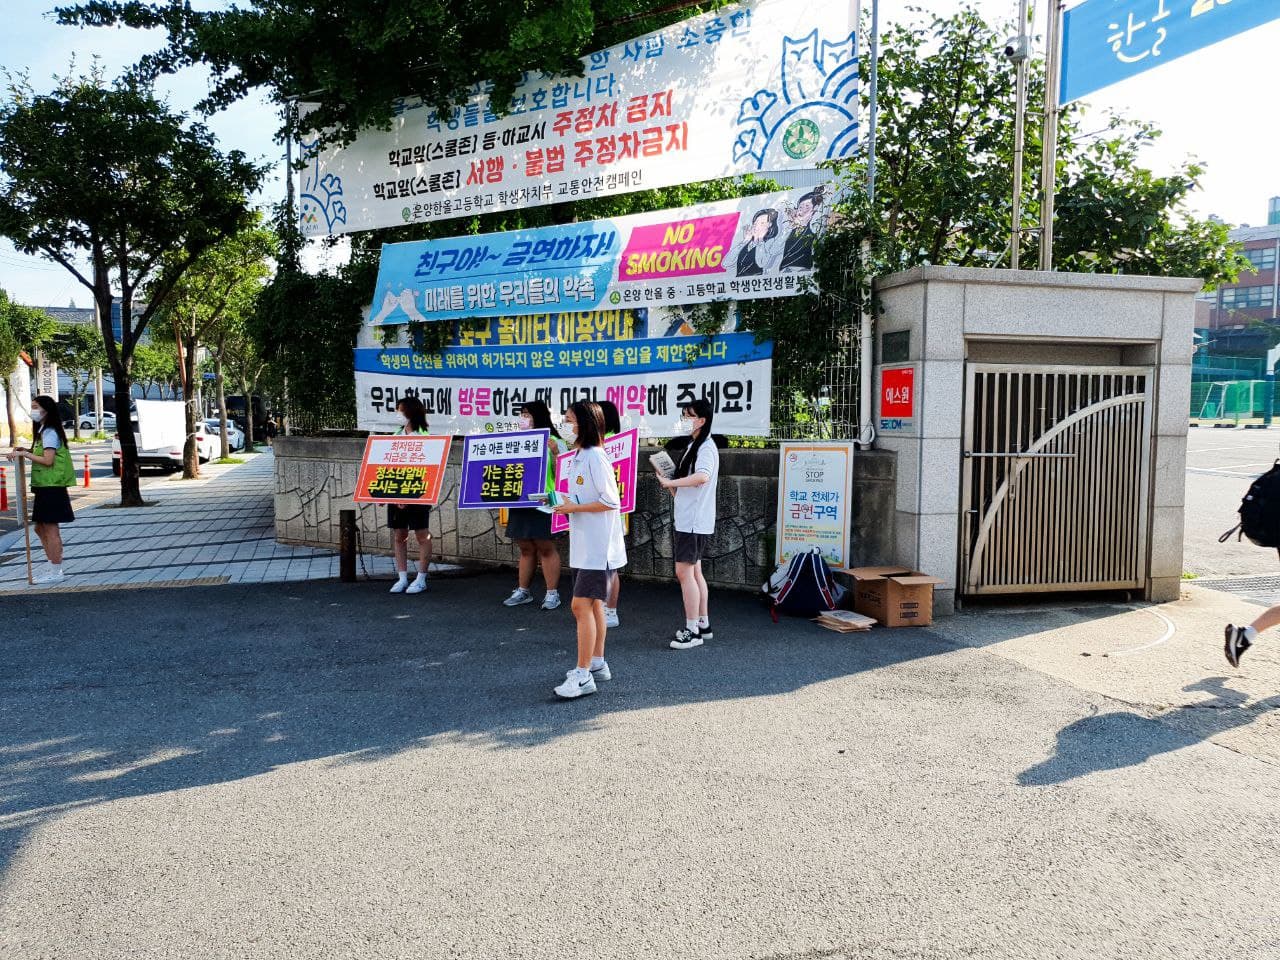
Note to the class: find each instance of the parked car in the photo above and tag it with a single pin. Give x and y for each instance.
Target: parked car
(89, 421)
(235, 437)
(208, 446)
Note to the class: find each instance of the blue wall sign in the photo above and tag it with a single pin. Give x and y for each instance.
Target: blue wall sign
(1106, 41)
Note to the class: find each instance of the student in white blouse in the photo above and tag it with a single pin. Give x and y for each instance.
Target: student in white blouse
(694, 487)
(596, 550)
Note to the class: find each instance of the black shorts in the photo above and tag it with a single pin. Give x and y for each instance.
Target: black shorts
(691, 546)
(413, 517)
(593, 584)
(51, 505)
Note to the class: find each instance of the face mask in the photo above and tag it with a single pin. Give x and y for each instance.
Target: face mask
(404, 421)
(37, 415)
(688, 425)
(570, 433)
(526, 423)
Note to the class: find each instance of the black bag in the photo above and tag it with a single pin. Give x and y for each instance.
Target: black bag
(1260, 511)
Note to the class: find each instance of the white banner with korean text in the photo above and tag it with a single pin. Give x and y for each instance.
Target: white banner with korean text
(755, 86)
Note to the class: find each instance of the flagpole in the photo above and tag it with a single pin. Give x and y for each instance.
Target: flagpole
(22, 515)
(866, 428)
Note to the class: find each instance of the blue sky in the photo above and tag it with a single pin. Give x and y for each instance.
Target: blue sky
(1216, 105)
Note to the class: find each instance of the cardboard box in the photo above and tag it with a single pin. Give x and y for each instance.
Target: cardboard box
(895, 596)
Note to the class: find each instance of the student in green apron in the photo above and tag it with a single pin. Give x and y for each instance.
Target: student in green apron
(52, 472)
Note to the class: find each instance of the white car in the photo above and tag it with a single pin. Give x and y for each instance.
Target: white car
(89, 421)
(235, 436)
(169, 458)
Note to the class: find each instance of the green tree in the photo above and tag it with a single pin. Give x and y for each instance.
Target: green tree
(22, 330)
(109, 172)
(78, 351)
(219, 287)
(245, 364)
(155, 365)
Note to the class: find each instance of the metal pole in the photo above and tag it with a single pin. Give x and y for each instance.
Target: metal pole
(866, 358)
(22, 515)
(1048, 161)
(347, 546)
(875, 101)
(1019, 135)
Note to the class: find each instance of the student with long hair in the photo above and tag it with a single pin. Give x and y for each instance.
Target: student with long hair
(612, 427)
(415, 517)
(530, 527)
(694, 486)
(596, 550)
(52, 472)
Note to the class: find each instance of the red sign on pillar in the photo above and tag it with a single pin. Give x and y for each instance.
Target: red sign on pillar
(898, 393)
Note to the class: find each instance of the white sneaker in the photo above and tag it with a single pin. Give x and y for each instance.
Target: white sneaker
(49, 575)
(575, 686)
(551, 601)
(419, 584)
(602, 672)
(400, 586)
(518, 597)
(610, 617)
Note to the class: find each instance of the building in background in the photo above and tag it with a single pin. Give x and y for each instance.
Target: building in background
(1224, 316)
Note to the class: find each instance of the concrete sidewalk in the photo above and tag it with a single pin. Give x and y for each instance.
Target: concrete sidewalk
(218, 529)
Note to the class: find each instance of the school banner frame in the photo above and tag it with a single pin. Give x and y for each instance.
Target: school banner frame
(815, 481)
(742, 249)
(404, 469)
(755, 86)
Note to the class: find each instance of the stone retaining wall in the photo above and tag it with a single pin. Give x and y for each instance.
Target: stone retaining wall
(315, 477)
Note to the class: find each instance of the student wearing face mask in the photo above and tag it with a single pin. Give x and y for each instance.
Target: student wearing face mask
(530, 528)
(596, 549)
(612, 427)
(694, 487)
(415, 517)
(52, 472)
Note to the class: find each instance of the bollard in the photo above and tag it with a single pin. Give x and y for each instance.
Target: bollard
(347, 546)
(86, 471)
(4, 491)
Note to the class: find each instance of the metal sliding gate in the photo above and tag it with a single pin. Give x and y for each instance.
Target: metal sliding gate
(1055, 478)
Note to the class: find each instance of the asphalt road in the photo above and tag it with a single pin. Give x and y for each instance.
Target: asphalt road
(322, 770)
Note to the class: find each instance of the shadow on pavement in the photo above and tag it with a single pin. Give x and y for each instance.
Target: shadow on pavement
(1110, 741)
(109, 696)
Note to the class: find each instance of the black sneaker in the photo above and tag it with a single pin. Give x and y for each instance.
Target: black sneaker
(705, 633)
(1235, 643)
(686, 639)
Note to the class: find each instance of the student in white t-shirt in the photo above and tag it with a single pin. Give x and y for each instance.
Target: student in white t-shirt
(596, 550)
(694, 487)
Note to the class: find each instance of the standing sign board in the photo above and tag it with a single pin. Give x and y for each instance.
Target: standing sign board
(405, 470)
(757, 85)
(1106, 41)
(503, 469)
(814, 484)
(745, 249)
(621, 449)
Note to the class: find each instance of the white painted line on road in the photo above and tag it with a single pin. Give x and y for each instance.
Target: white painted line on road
(1170, 629)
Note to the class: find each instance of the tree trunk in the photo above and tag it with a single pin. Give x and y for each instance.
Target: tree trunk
(130, 486)
(248, 412)
(222, 402)
(75, 407)
(190, 451)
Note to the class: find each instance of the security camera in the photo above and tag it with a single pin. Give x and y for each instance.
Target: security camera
(1016, 49)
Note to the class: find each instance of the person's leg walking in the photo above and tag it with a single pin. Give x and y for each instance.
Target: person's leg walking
(1237, 640)
(584, 612)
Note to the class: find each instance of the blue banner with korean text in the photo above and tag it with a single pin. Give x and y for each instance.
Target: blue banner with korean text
(1106, 41)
